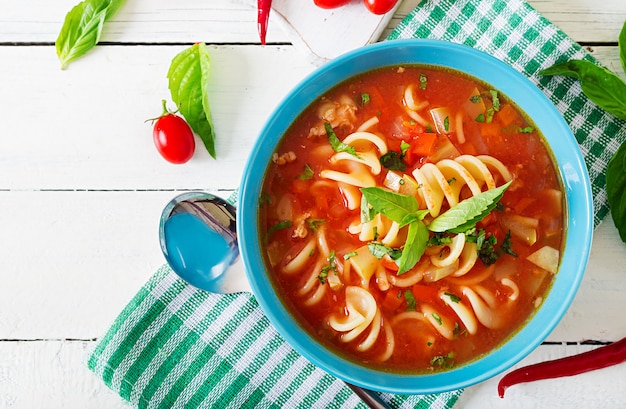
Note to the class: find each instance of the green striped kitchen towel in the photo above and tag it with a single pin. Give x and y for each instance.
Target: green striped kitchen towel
(175, 346)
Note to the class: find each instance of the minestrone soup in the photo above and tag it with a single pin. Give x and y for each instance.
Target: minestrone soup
(413, 218)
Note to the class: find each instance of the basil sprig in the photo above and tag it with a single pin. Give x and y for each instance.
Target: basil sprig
(82, 28)
(608, 91)
(600, 85)
(188, 77)
(404, 210)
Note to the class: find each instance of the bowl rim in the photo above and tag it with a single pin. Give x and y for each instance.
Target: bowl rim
(573, 173)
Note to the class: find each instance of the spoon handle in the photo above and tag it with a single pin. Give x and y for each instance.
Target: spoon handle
(368, 397)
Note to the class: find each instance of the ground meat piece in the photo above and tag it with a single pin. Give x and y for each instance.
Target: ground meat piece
(284, 158)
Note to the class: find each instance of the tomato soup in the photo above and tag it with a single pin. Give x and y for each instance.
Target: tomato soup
(413, 219)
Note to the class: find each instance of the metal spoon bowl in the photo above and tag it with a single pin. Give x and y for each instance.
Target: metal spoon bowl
(198, 237)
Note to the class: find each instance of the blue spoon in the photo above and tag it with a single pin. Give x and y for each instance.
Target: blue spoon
(198, 237)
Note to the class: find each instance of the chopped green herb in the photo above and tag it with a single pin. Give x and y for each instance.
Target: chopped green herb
(437, 318)
(265, 199)
(475, 99)
(429, 128)
(404, 147)
(458, 331)
(495, 101)
(284, 224)
(438, 239)
(454, 298)
(392, 160)
(378, 250)
(489, 115)
(365, 98)
(506, 245)
(330, 267)
(336, 144)
(375, 232)
(527, 129)
(349, 255)
(423, 81)
(307, 173)
(443, 361)
(446, 124)
(411, 303)
(451, 180)
(480, 118)
(314, 224)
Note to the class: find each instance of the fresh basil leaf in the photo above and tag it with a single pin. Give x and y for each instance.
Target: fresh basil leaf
(600, 85)
(188, 77)
(616, 189)
(416, 242)
(622, 46)
(82, 28)
(393, 205)
(468, 212)
(336, 144)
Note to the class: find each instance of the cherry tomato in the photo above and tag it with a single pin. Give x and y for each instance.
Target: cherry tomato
(379, 6)
(173, 138)
(330, 4)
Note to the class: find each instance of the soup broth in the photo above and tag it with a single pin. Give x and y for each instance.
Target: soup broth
(357, 208)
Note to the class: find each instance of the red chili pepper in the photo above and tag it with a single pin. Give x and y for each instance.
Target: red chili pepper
(602, 357)
(263, 16)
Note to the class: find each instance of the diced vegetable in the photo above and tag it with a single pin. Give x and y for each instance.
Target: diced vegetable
(445, 150)
(521, 227)
(392, 181)
(364, 263)
(443, 120)
(547, 258)
(422, 145)
(474, 105)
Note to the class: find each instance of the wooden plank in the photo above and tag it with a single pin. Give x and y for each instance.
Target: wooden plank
(51, 374)
(100, 138)
(224, 21)
(62, 380)
(71, 261)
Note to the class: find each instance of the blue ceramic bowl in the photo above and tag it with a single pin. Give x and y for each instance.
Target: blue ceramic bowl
(571, 166)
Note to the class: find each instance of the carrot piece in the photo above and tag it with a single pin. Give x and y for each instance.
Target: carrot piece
(388, 263)
(392, 301)
(422, 145)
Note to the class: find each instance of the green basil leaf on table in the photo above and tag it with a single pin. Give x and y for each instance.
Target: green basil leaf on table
(600, 85)
(616, 189)
(188, 77)
(82, 28)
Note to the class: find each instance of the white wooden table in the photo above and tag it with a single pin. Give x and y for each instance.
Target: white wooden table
(82, 186)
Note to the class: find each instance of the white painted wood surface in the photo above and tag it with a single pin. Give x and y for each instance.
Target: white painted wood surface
(82, 187)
